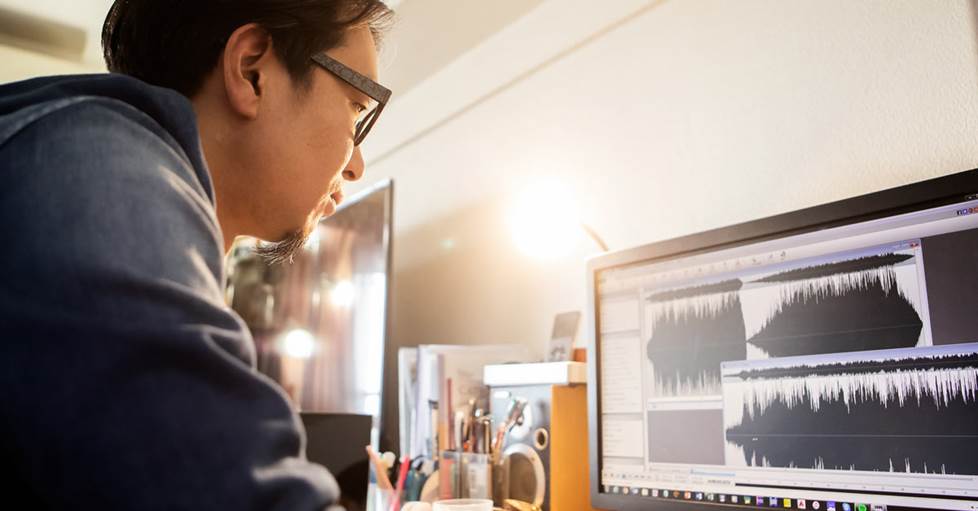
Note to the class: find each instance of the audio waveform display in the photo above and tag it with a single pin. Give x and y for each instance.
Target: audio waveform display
(860, 367)
(690, 332)
(868, 303)
(907, 410)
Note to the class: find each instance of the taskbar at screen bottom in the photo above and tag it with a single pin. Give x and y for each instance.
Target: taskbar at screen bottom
(769, 501)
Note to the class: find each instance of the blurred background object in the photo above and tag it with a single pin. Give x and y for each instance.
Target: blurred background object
(336, 440)
(45, 37)
(320, 323)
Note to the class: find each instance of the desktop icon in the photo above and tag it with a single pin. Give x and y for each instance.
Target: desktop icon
(699, 495)
(688, 495)
(846, 506)
(816, 505)
(655, 493)
(787, 503)
(723, 498)
(830, 506)
(862, 507)
(736, 499)
(645, 492)
(711, 497)
(802, 504)
(773, 501)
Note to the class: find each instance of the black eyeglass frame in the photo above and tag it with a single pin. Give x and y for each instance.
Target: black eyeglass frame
(374, 90)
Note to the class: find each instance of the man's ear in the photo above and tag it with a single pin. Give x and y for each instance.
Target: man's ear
(245, 66)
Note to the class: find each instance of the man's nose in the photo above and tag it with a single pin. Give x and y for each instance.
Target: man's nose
(354, 169)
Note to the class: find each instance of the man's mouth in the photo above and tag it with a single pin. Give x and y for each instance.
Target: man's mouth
(336, 197)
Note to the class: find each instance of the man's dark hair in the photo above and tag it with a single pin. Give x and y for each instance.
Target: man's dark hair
(176, 43)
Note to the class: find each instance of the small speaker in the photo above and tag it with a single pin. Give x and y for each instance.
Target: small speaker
(526, 450)
(337, 441)
(545, 458)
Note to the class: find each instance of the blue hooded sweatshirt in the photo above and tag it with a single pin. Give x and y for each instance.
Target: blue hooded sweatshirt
(125, 380)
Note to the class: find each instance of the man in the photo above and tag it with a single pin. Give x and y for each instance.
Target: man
(126, 382)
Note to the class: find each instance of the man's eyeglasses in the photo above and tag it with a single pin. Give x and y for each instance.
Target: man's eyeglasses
(374, 90)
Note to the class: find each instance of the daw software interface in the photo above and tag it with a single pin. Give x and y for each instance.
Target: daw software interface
(833, 370)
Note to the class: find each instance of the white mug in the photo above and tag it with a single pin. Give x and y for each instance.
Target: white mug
(463, 505)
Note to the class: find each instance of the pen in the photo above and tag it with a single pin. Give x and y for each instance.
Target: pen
(449, 415)
(486, 423)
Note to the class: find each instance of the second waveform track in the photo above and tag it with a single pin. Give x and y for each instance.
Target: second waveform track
(915, 415)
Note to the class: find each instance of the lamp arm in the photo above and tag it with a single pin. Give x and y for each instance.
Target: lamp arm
(594, 236)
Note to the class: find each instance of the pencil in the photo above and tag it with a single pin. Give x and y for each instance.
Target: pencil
(401, 477)
(380, 468)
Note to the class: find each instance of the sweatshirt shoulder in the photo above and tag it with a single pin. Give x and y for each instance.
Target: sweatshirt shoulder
(83, 104)
(98, 169)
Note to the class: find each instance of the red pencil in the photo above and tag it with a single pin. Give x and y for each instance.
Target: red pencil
(401, 477)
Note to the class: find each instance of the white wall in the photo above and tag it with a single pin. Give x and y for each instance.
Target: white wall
(413, 54)
(682, 116)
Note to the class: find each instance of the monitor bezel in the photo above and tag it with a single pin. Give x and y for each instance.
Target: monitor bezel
(920, 195)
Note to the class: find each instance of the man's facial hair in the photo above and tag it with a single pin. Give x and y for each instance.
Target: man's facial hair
(284, 250)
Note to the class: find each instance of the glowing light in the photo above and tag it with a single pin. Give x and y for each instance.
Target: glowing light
(298, 343)
(343, 294)
(545, 220)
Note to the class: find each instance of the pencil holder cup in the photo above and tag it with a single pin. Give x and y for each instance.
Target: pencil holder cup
(465, 475)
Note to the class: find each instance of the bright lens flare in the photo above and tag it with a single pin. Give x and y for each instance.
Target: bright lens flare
(545, 220)
(343, 294)
(298, 343)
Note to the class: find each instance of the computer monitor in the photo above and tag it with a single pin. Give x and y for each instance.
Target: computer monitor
(824, 359)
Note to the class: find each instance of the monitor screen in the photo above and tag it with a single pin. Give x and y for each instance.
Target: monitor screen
(787, 364)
